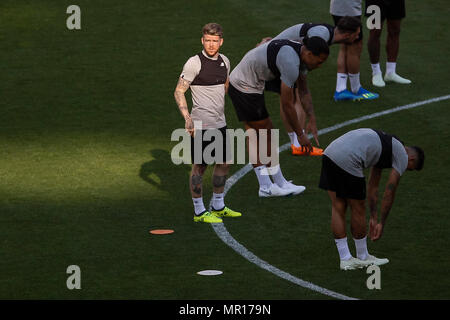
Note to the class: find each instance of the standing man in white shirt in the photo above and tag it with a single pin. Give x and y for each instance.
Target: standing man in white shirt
(206, 74)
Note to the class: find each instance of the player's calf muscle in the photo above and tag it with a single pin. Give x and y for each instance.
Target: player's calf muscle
(196, 184)
(219, 181)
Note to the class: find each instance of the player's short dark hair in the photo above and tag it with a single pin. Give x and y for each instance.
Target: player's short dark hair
(316, 45)
(420, 157)
(349, 24)
(213, 29)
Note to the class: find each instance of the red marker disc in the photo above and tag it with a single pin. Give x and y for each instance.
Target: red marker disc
(161, 231)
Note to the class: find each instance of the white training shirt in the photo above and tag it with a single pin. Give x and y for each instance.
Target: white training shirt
(293, 33)
(208, 102)
(252, 72)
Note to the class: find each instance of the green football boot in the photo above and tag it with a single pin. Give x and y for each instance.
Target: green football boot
(207, 217)
(226, 212)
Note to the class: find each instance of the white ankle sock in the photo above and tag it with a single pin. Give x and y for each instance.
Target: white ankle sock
(293, 137)
(263, 176)
(341, 82)
(199, 207)
(390, 67)
(354, 82)
(277, 175)
(376, 69)
(218, 202)
(342, 246)
(361, 248)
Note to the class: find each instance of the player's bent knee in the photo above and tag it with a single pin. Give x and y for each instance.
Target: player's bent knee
(260, 124)
(267, 123)
(199, 169)
(222, 166)
(375, 34)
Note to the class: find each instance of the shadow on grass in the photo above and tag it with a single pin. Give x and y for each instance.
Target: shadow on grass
(162, 173)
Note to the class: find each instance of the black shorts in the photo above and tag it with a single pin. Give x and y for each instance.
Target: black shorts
(336, 21)
(248, 106)
(336, 179)
(223, 147)
(273, 86)
(390, 9)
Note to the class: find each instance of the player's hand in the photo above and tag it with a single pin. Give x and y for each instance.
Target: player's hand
(189, 126)
(377, 232)
(305, 143)
(311, 127)
(264, 40)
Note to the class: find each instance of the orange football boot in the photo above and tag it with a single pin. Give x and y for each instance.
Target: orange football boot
(297, 151)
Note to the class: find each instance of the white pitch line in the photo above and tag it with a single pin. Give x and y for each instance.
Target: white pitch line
(228, 239)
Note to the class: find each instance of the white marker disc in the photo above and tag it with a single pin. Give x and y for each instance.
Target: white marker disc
(209, 272)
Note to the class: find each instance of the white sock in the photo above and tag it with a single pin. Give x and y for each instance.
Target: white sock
(341, 82)
(277, 175)
(390, 67)
(354, 82)
(263, 176)
(361, 248)
(376, 69)
(293, 137)
(342, 246)
(199, 207)
(218, 201)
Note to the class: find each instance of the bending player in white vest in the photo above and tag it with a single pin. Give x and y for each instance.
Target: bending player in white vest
(346, 31)
(342, 176)
(206, 74)
(286, 62)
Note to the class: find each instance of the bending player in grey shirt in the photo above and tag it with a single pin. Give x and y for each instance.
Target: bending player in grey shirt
(360, 149)
(342, 176)
(346, 31)
(284, 62)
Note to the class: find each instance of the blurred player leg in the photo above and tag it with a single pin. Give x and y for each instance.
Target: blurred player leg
(219, 209)
(359, 232)
(196, 185)
(338, 209)
(353, 68)
(392, 48)
(341, 92)
(373, 46)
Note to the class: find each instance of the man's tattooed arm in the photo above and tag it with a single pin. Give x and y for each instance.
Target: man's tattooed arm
(182, 87)
(389, 195)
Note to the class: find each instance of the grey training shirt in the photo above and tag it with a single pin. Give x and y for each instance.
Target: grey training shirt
(250, 74)
(208, 102)
(361, 148)
(344, 8)
(293, 33)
